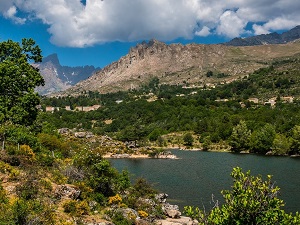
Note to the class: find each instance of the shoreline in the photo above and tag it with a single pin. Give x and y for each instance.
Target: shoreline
(137, 156)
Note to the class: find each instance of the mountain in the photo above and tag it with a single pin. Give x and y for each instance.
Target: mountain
(59, 78)
(182, 64)
(272, 38)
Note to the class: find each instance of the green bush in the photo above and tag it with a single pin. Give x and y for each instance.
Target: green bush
(251, 201)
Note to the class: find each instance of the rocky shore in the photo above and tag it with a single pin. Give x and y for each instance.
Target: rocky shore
(171, 214)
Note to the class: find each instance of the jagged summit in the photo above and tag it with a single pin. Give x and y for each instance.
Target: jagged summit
(59, 78)
(272, 38)
(53, 58)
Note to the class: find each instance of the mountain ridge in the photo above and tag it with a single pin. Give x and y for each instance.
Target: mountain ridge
(263, 39)
(58, 77)
(178, 64)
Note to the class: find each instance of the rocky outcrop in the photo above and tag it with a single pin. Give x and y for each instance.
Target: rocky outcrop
(171, 211)
(66, 191)
(177, 64)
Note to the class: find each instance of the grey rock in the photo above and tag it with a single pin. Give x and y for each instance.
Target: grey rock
(171, 210)
(66, 191)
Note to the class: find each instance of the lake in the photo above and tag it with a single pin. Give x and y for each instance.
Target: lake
(198, 176)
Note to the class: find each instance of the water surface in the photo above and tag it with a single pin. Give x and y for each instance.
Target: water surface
(197, 176)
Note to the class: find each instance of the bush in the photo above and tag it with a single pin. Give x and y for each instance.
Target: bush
(76, 208)
(251, 201)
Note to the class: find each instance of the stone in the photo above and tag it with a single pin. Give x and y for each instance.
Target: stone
(66, 191)
(80, 134)
(179, 221)
(171, 210)
(162, 197)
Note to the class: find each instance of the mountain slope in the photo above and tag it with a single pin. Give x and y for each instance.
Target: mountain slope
(272, 38)
(182, 64)
(59, 78)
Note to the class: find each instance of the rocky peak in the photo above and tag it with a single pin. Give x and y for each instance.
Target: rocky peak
(53, 58)
(58, 77)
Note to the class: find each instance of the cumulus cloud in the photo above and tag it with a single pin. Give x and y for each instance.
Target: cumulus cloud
(72, 23)
(231, 25)
(205, 31)
(9, 11)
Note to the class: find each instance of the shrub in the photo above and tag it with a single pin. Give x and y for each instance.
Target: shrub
(252, 201)
(115, 200)
(76, 208)
(142, 213)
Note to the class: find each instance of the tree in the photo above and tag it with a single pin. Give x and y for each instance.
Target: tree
(18, 78)
(188, 139)
(296, 139)
(281, 145)
(240, 137)
(251, 201)
(261, 140)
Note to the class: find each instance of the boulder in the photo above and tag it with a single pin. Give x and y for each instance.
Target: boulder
(162, 197)
(171, 211)
(66, 191)
(128, 213)
(180, 221)
(80, 134)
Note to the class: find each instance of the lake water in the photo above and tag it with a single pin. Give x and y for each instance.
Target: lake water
(197, 175)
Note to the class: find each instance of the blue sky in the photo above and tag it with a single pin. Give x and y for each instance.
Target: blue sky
(98, 32)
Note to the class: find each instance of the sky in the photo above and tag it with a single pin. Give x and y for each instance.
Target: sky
(98, 32)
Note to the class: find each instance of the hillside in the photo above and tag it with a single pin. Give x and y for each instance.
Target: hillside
(182, 64)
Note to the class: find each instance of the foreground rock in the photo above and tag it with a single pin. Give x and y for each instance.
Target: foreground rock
(183, 220)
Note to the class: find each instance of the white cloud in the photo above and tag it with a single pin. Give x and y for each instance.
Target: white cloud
(260, 30)
(73, 24)
(231, 25)
(9, 11)
(205, 31)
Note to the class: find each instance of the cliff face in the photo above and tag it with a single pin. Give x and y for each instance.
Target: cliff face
(181, 64)
(59, 78)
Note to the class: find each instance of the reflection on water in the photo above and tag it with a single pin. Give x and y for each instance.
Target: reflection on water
(196, 176)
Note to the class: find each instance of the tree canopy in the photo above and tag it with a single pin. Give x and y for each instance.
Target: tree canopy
(18, 78)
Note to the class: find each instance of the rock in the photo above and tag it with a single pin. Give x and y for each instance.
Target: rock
(80, 134)
(100, 223)
(162, 197)
(269, 153)
(128, 213)
(142, 222)
(171, 210)
(63, 131)
(180, 221)
(89, 135)
(66, 191)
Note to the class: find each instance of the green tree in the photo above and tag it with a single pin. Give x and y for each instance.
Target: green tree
(240, 137)
(281, 145)
(188, 139)
(18, 78)
(296, 139)
(262, 140)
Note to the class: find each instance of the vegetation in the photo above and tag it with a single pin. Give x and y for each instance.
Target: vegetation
(58, 178)
(18, 78)
(251, 201)
(148, 116)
